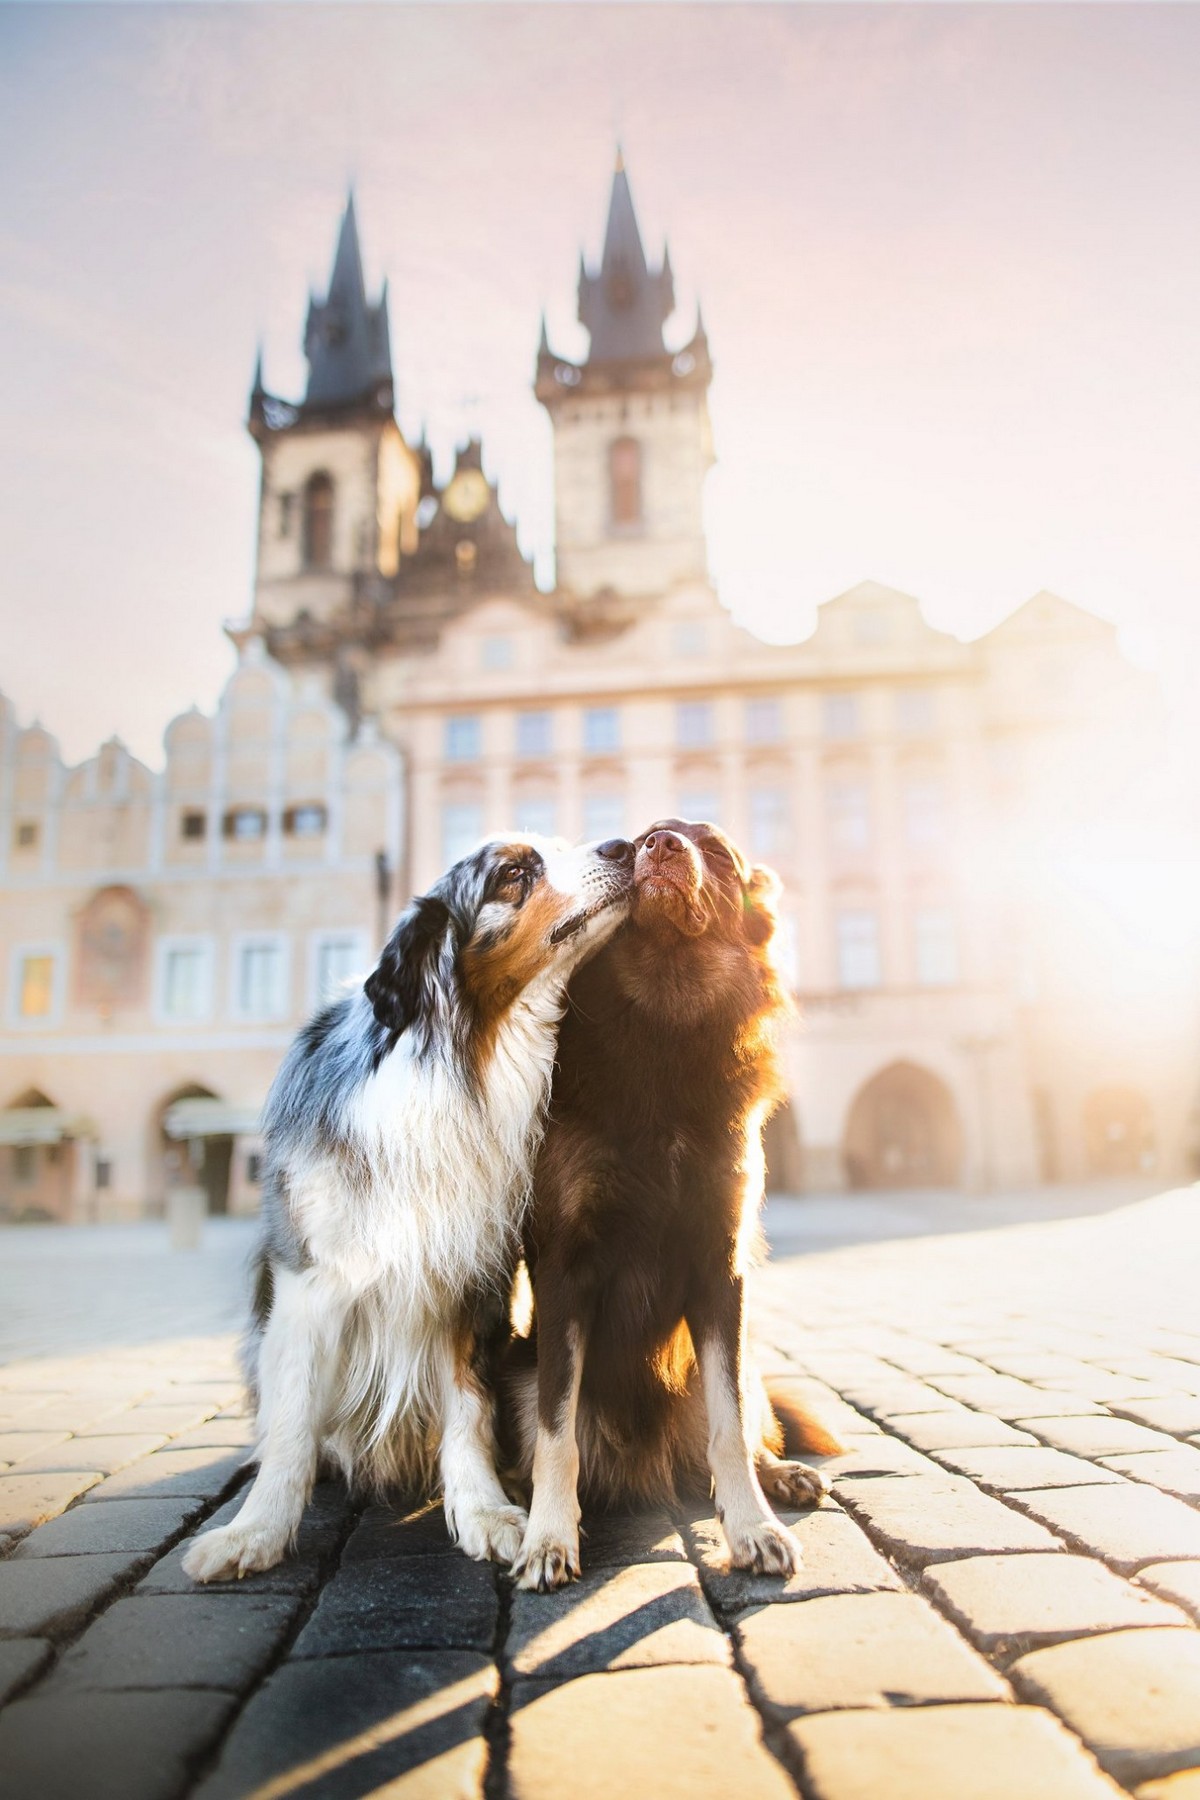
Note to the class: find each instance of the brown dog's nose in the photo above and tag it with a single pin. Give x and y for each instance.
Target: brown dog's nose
(618, 850)
(662, 844)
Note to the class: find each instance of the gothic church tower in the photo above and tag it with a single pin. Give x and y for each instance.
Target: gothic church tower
(632, 440)
(340, 487)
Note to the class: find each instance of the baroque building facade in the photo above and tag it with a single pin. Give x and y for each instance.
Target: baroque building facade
(952, 821)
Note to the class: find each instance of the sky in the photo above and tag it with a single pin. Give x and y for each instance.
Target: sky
(949, 261)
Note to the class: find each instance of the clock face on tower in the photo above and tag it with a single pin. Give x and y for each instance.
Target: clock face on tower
(468, 496)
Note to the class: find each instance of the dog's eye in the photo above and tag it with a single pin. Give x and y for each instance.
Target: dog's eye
(712, 848)
(511, 872)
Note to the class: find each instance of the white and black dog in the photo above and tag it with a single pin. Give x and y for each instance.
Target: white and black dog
(401, 1132)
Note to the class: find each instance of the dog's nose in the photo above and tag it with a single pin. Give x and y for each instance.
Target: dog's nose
(616, 850)
(662, 844)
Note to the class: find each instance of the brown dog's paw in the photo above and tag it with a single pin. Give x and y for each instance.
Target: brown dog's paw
(543, 1566)
(765, 1548)
(792, 1483)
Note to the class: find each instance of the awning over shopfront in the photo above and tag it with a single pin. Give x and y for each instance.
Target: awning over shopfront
(20, 1125)
(205, 1118)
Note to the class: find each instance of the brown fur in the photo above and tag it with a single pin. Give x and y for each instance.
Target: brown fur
(649, 1179)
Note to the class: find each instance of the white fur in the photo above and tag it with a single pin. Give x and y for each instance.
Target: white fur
(419, 1202)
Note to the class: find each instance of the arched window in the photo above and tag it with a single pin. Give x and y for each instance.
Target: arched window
(625, 481)
(318, 521)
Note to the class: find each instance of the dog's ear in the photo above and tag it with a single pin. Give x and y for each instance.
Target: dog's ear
(402, 989)
(760, 904)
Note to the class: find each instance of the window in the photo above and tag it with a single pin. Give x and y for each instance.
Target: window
(625, 481)
(246, 824)
(603, 817)
(254, 1163)
(872, 626)
(103, 1172)
(193, 824)
(787, 949)
(25, 1164)
(537, 814)
(849, 815)
(924, 813)
(764, 721)
(699, 805)
(336, 957)
(858, 950)
(689, 638)
(318, 521)
(768, 821)
(464, 737)
(534, 733)
(497, 653)
(285, 514)
(601, 729)
(305, 821)
(840, 713)
(35, 986)
(915, 711)
(462, 828)
(695, 724)
(185, 981)
(261, 986)
(937, 947)
(26, 835)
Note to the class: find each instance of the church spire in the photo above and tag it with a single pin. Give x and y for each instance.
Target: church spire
(346, 338)
(625, 303)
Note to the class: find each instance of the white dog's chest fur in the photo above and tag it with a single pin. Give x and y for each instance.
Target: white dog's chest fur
(419, 1206)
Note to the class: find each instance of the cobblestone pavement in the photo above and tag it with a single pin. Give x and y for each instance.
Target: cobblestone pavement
(998, 1602)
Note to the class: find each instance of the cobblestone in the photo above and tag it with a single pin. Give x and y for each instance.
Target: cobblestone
(123, 1746)
(200, 1474)
(945, 1753)
(1099, 1435)
(923, 1520)
(838, 1559)
(958, 1427)
(858, 1650)
(389, 1602)
(117, 1525)
(377, 1658)
(20, 1661)
(1127, 1525)
(677, 1733)
(1178, 1581)
(27, 1501)
(642, 1616)
(1175, 1471)
(1131, 1696)
(40, 1599)
(1006, 1470)
(357, 1724)
(1010, 1604)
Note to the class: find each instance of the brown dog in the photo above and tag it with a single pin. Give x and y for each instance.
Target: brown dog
(645, 1205)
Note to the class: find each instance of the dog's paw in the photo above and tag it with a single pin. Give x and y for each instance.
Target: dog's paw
(492, 1533)
(233, 1551)
(792, 1483)
(547, 1564)
(765, 1547)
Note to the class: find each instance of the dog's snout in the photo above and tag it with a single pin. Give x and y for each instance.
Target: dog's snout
(616, 850)
(662, 844)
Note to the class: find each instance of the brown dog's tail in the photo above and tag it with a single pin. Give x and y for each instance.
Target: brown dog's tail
(805, 1433)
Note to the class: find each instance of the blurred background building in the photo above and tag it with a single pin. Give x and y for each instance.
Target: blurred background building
(988, 909)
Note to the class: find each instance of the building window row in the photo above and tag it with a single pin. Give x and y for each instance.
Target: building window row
(260, 977)
(248, 824)
(770, 826)
(859, 956)
(695, 729)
